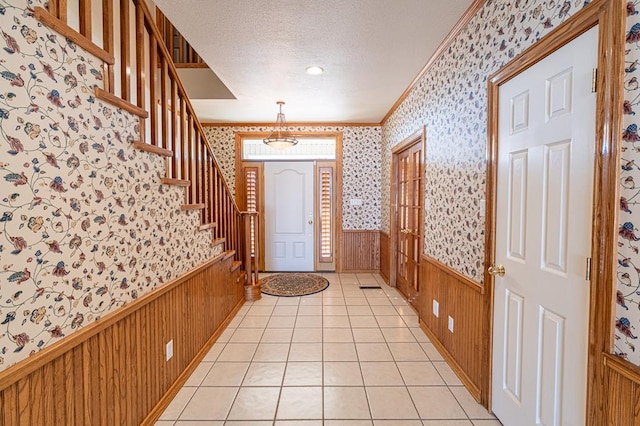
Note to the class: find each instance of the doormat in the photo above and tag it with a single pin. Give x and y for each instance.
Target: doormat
(293, 284)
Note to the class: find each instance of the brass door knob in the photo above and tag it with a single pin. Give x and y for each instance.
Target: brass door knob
(496, 270)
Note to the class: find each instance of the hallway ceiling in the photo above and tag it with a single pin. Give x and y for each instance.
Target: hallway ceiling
(371, 51)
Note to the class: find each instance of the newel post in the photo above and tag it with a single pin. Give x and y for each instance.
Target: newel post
(251, 255)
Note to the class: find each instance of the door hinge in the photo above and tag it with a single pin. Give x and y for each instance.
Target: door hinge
(588, 271)
(594, 80)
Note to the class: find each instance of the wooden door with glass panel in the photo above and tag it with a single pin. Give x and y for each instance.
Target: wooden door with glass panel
(409, 220)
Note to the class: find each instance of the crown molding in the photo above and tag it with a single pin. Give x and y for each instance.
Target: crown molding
(291, 124)
(455, 32)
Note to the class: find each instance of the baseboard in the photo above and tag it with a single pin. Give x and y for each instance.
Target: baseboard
(115, 371)
(468, 383)
(166, 399)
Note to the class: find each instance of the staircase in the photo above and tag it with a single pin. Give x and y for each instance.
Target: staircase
(150, 256)
(183, 54)
(140, 77)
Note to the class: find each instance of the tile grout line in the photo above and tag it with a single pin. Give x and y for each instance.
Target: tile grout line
(387, 294)
(244, 376)
(286, 364)
(364, 385)
(198, 387)
(399, 372)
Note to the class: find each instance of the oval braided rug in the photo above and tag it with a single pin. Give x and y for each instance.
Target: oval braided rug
(293, 284)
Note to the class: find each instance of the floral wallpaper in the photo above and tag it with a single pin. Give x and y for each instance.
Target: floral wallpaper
(451, 101)
(85, 225)
(627, 324)
(360, 172)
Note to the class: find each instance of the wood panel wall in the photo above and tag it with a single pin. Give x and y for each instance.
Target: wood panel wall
(114, 371)
(623, 391)
(360, 251)
(385, 259)
(462, 299)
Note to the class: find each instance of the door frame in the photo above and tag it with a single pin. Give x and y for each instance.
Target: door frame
(419, 136)
(337, 194)
(609, 16)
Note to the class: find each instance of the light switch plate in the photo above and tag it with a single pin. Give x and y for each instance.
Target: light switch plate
(450, 324)
(436, 308)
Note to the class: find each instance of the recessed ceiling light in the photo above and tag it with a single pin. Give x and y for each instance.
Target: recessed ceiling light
(315, 70)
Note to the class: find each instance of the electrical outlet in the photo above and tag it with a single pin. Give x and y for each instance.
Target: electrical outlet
(169, 350)
(450, 324)
(436, 308)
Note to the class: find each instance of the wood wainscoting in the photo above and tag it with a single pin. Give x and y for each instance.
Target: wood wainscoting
(360, 251)
(623, 391)
(462, 299)
(114, 371)
(385, 259)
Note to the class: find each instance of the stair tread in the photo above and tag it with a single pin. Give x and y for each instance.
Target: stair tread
(153, 149)
(235, 265)
(120, 103)
(56, 24)
(176, 182)
(207, 226)
(198, 206)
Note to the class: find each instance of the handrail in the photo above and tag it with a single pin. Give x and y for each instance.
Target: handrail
(150, 25)
(144, 78)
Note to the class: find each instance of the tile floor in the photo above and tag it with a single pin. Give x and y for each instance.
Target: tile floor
(341, 357)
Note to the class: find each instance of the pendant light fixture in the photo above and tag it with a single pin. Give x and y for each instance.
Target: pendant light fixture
(280, 138)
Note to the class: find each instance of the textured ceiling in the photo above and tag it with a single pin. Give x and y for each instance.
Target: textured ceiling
(371, 51)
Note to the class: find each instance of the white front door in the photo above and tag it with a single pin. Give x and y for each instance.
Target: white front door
(288, 206)
(546, 148)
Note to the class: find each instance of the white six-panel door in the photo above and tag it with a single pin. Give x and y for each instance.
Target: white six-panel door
(543, 239)
(289, 216)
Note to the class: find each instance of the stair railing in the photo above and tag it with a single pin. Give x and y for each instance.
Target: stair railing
(139, 76)
(183, 54)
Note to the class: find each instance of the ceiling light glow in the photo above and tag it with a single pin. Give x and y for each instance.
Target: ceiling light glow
(315, 70)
